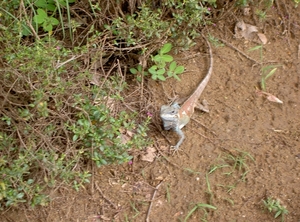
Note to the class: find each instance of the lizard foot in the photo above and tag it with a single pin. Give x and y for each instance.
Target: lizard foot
(175, 149)
(203, 107)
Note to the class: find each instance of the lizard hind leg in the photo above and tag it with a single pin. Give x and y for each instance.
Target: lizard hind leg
(203, 106)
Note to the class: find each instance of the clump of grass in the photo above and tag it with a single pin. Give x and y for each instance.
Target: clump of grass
(202, 206)
(274, 206)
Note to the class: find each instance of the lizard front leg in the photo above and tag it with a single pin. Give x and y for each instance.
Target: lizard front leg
(182, 137)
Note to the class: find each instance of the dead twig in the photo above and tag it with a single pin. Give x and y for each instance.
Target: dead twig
(235, 48)
(152, 200)
(204, 127)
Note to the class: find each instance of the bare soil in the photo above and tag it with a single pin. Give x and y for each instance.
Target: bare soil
(239, 121)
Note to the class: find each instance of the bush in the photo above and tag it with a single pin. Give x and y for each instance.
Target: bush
(54, 121)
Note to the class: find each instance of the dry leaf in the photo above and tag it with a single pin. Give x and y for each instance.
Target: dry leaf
(243, 30)
(129, 133)
(160, 178)
(249, 32)
(273, 98)
(262, 38)
(124, 138)
(150, 154)
(270, 97)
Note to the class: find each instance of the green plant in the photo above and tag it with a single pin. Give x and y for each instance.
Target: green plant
(213, 168)
(158, 70)
(209, 191)
(261, 14)
(57, 124)
(203, 207)
(263, 7)
(266, 71)
(97, 129)
(239, 161)
(137, 212)
(191, 171)
(265, 75)
(235, 162)
(229, 188)
(174, 19)
(47, 22)
(274, 206)
(216, 42)
(168, 195)
(138, 71)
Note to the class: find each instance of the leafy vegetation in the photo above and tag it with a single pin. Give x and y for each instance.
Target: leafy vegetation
(158, 70)
(274, 206)
(61, 111)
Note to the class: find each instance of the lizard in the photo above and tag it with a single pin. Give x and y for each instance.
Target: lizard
(174, 116)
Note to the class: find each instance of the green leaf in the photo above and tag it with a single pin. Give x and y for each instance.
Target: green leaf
(54, 21)
(206, 206)
(166, 48)
(170, 73)
(20, 195)
(176, 77)
(167, 58)
(161, 71)
(39, 19)
(255, 48)
(25, 29)
(139, 67)
(162, 78)
(40, 3)
(47, 27)
(172, 66)
(153, 70)
(277, 214)
(133, 70)
(157, 58)
(75, 137)
(263, 84)
(271, 73)
(179, 70)
(42, 13)
(49, 5)
(30, 181)
(154, 77)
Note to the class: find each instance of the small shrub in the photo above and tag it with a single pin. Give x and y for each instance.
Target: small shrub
(54, 122)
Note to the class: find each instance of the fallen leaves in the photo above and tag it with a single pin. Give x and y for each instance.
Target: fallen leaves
(249, 32)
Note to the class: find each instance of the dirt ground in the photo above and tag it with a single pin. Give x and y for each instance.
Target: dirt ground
(240, 124)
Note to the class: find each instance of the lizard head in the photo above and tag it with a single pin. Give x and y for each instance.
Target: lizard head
(169, 116)
(169, 112)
